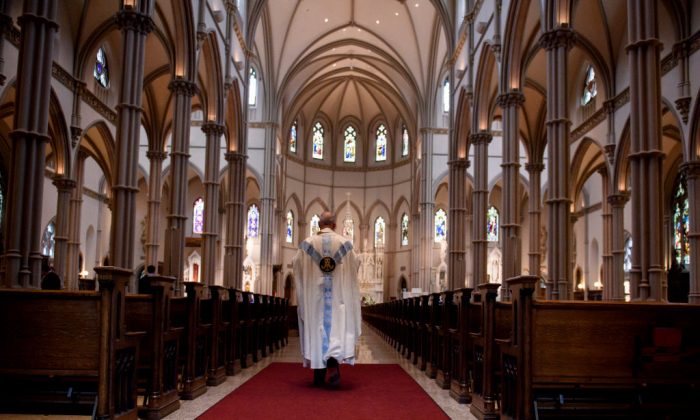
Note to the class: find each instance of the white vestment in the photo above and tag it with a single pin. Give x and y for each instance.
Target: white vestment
(328, 303)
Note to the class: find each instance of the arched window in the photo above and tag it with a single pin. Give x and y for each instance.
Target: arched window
(253, 221)
(350, 144)
(101, 70)
(381, 143)
(379, 228)
(349, 228)
(492, 224)
(198, 216)
(293, 137)
(681, 242)
(404, 230)
(404, 141)
(314, 224)
(590, 89)
(446, 95)
(440, 225)
(48, 239)
(317, 152)
(252, 87)
(290, 227)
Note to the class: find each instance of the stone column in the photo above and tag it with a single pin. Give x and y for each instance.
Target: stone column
(427, 209)
(30, 132)
(267, 210)
(617, 284)
(692, 171)
(480, 197)
(510, 102)
(606, 281)
(390, 274)
(182, 90)
(210, 235)
(76, 205)
(235, 217)
(65, 187)
(647, 278)
(415, 251)
(155, 191)
(557, 43)
(534, 217)
(135, 25)
(457, 220)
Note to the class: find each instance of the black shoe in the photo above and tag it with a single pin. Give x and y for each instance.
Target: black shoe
(334, 369)
(319, 377)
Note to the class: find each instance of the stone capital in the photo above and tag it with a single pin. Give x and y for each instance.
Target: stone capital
(691, 169)
(213, 129)
(64, 184)
(156, 155)
(532, 167)
(132, 20)
(512, 98)
(619, 199)
(180, 86)
(459, 163)
(234, 157)
(481, 137)
(560, 37)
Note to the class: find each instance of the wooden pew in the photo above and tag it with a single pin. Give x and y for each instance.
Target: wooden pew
(431, 321)
(586, 359)
(248, 335)
(231, 314)
(158, 355)
(445, 309)
(69, 351)
(219, 337)
(461, 345)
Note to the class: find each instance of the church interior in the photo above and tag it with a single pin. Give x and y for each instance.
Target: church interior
(519, 178)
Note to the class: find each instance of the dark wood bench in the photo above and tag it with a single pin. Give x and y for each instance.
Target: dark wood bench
(69, 352)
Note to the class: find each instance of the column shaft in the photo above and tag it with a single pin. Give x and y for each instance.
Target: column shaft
(457, 218)
(267, 210)
(30, 132)
(235, 220)
(480, 195)
(76, 205)
(648, 280)
(427, 208)
(693, 179)
(617, 283)
(60, 254)
(213, 132)
(534, 217)
(155, 190)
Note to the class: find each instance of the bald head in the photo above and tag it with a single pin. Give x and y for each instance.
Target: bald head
(327, 220)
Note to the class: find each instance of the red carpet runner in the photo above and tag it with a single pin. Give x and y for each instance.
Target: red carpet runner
(285, 391)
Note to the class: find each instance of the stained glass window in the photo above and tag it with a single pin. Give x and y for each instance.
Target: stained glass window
(101, 70)
(198, 216)
(314, 224)
(350, 144)
(253, 221)
(404, 230)
(293, 137)
(446, 95)
(440, 225)
(379, 228)
(290, 227)
(681, 242)
(404, 141)
(590, 89)
(252, 87)
(381, 143)
(317, 152)
(628, 255)
(48, 239)
(349, 228)
(492, 225)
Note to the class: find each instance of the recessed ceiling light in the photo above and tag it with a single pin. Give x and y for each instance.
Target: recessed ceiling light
(344, 29)
(359, 29)
(396, 14)
(325, 20)
(417, 4)
(377, 22)
(333, 64)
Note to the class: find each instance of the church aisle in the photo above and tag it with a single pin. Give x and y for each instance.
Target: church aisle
(372, 349)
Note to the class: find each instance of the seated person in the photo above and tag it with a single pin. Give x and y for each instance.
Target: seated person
(144, 284)
(51, 281)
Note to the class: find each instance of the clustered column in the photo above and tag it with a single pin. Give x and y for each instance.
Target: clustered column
(135, 25)
(183, 90)
(235, 216)
(427, 208)
(534, 171)
(557, 43)
(213, 133)
(155, 158)
(607, 271)
(26, 184)
(480, 141)
(617, 203)
(76, 205)
(692, 171)
(647, 276)
(510, 102)
(457, 219)
(65, 187)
